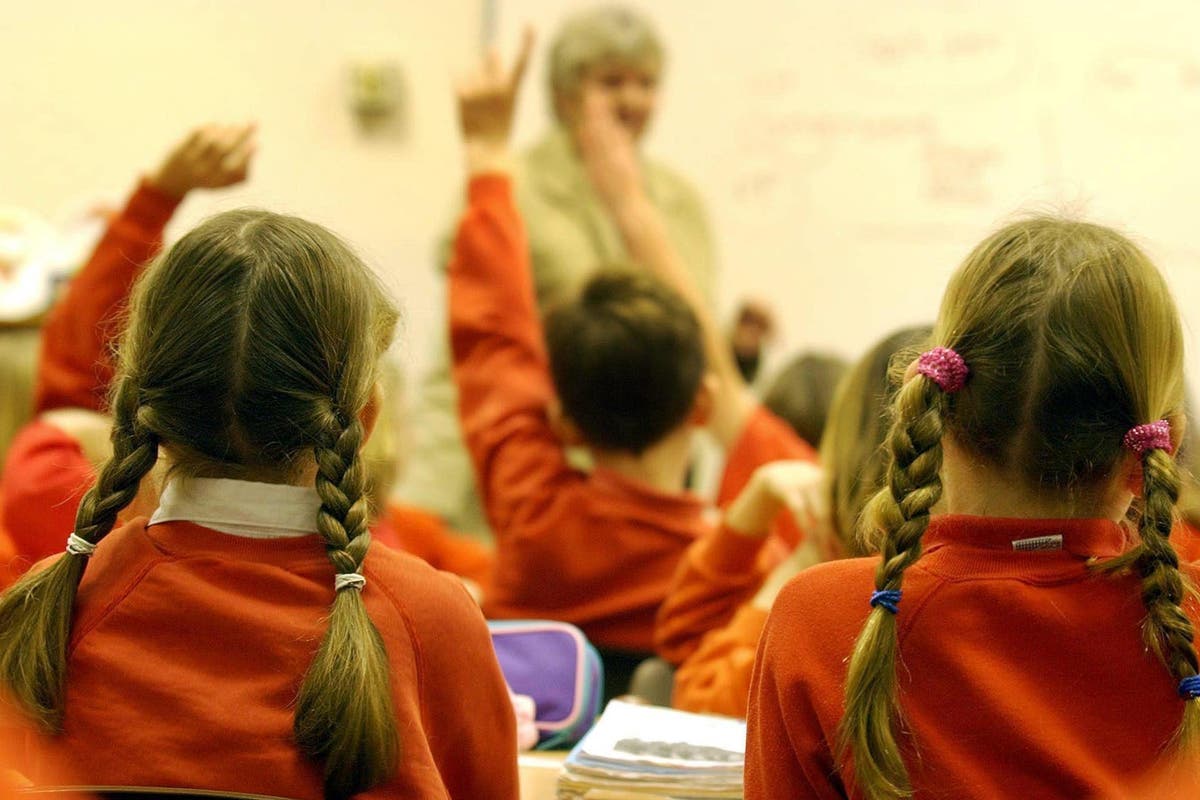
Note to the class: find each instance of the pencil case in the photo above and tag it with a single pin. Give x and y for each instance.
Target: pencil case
(553, 663)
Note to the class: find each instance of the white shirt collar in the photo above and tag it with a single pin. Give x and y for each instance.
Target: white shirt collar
(241, 508)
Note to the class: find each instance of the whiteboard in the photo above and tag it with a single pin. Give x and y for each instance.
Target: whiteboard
(852, 153)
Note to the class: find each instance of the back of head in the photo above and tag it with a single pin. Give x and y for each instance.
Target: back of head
(802, 392)
(852, 448)
(1071, 338)
(627, 357)
(252, 348)
(609, 33)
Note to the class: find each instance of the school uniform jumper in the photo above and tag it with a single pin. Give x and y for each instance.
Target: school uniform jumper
(724, 569)
(1021, 673)
(188, 646)
(597, 550)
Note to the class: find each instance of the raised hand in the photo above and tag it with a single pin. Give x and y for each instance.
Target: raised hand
(487, 99)
(210, 157)
(798, 486)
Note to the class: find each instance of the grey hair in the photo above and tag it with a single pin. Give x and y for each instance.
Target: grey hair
(605, 33)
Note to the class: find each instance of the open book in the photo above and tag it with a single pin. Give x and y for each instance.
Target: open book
(641, 751)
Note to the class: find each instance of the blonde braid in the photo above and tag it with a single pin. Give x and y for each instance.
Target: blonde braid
(344, 712)
(35, 613)
(1167, 630)
(902, 512)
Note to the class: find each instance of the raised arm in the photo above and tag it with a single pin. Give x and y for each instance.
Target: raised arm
(74, 369)
(499, 356)
(52, 461)
(612, 164)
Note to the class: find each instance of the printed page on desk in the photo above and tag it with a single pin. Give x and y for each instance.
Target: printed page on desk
(657, 752)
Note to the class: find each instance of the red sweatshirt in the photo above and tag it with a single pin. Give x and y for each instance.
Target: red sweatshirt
(188, 647)
(1021, 673)
(723, 569)
(595, 550)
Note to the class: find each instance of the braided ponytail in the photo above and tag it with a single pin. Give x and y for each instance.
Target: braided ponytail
(1167, 630)
(35, 613)
(901, 510)
(344, 712)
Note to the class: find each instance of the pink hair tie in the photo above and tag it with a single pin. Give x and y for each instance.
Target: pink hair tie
(1151, 436)
(944, 367)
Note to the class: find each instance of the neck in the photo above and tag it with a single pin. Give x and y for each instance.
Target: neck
(662, 466)
(971, 486)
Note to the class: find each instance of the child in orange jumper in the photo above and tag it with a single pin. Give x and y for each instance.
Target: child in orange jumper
(1025, 642)
(247, 637)
(621, 370)
(722, 576)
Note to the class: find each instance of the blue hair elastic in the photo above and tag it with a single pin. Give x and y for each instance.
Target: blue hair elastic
(888, 598)
(1189, 688)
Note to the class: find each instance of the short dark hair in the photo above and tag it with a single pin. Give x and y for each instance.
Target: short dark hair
(627, 357)
(802, 393)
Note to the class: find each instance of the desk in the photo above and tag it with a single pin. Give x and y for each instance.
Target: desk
(539, 773)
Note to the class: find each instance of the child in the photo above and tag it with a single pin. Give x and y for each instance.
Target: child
(994, 650)
(202, 641)
(627, 360)
(54, 459)
(722, 576)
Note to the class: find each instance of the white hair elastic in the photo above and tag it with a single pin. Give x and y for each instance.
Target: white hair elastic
(79, 546)
(348, 580)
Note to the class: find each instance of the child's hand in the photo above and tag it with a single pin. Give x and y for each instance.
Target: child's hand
(798, 486)
(486, 101)
(211, 157)
(608, 152)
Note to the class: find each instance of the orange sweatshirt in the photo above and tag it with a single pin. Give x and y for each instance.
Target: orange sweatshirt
(709, 625)
(595, 550)
(188, 647)
(723, 570)
(1021, 673)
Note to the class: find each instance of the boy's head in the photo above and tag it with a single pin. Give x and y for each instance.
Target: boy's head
(627, 356)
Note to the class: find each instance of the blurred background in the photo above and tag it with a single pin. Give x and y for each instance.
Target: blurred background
(849, 153)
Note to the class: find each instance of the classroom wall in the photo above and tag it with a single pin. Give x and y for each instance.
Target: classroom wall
(95, 92)
(850, 152)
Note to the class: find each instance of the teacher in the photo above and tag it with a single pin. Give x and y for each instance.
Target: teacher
(617, 51)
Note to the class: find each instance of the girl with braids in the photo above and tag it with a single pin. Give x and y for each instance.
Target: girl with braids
(723, 577)
(1024, 641)
(247, 637)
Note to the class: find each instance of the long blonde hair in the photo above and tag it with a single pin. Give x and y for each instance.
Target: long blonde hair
(251, 350)
(1072, 338)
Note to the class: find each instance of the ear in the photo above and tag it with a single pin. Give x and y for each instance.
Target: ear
(1130, 468)
(567, 431)
(706, 397)
(370, 412)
